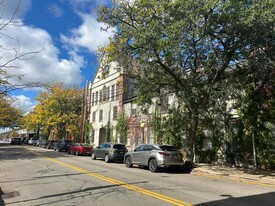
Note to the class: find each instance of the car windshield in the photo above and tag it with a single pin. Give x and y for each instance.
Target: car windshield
(168, 148)
(119, 146)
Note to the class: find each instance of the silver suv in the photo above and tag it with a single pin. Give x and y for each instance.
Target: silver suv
(154, 156)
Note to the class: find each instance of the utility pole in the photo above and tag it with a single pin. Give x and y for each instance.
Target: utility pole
(84, 113)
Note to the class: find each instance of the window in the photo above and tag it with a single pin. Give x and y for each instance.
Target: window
(164, 102)
(105, 71)
(117, 92)
(100, 115)
(114, 112)
(108, 93)
(93, 98)
(100, 96)
(94, 116)
(133, 109)
(93, 136)
(96, 98)
(104, 93)
(113, 93)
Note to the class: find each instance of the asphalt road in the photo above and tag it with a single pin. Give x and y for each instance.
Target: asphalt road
(34, 176)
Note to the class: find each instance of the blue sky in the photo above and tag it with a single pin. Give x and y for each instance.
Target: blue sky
(68, 32)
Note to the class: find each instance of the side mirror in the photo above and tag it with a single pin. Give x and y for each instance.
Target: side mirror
(135, 150)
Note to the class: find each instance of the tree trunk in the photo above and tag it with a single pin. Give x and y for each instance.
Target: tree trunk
(191, 136)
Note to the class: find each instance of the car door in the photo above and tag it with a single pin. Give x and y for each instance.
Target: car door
(136, 155)
(145, 154)
(100, 151)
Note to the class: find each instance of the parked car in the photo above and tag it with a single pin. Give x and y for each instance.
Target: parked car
(33, 141)
(154, 156)
(62, 146)
(26, 140)
(16, 140)
(51, 144)
(44, 143)
(110, 152)
(80, 149)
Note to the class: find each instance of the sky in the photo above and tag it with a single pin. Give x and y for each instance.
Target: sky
(66, 34)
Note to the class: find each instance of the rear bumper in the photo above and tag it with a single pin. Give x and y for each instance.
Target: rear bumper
(117, 157)
(167, 163)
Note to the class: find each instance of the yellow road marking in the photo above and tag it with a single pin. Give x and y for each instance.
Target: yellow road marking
(121, 184)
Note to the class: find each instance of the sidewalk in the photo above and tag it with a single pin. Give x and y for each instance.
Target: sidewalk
(266, 178)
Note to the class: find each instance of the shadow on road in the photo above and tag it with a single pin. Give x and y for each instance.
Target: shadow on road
(15, 152)
(266, 199)
(2, 203)
(70, 195)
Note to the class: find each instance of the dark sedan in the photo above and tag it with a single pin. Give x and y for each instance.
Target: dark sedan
(16, 140)
(110, 152)
(62, 146)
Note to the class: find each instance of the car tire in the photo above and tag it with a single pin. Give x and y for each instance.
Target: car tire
(69, 152)
(128, 162)
(153, 166)
(93, 156)
(107, 158)
(76, 153)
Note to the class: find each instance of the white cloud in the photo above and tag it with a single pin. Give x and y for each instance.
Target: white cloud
(24, 103)
(55, 10)
(88, 35)
(17, 8)
(45, 66)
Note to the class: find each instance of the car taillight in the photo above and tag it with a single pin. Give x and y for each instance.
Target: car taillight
(163, 154)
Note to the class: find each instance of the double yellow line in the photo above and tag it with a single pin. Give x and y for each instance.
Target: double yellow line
(121, 184)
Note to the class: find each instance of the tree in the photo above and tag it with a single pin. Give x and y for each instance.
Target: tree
(58, 108)
(189, 48)
(10, 115)
(122, 127)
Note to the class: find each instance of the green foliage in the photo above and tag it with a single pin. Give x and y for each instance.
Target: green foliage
(58, 109)
(10, 116)
(157, 126)
(192, 49)
(173, 125)
(88, 128)
(122, 127)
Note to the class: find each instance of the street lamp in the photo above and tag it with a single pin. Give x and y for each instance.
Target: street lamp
(142, 125)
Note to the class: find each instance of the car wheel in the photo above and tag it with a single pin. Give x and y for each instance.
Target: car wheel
(153, 166)
(107, 158)
(69, 152)
(93, 156)
(76, 153)
(128, 162)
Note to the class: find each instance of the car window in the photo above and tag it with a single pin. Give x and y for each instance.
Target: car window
(101, 146)
(147, 147)
(140, 148)
(119, 146)
(168, 148)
